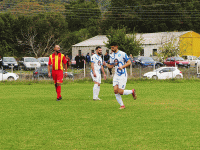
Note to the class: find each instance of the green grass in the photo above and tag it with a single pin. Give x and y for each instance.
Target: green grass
(165, 116)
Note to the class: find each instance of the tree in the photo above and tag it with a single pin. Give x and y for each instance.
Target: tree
(127, 43)
(7, 36)
(169, 48)
(41, 32)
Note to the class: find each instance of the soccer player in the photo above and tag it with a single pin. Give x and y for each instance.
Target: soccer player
(56, 60)
(96, 67)
(120, 60)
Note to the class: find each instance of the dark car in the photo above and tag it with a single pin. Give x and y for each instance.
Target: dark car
(9, 62)
(42, 73)
(179, 61)
(147, 61)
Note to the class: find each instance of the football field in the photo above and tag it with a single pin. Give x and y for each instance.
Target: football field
(164, 116)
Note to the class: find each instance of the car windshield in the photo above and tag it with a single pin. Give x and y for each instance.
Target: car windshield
(30, 60)
(45, 59)
(157, 69)
(179, 59)
(167, 68)
(146, 59)
(9, 59)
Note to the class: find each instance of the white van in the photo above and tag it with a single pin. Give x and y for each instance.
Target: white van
(29, 63)
(43, 61)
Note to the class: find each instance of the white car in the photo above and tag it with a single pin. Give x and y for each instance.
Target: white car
(8, 76)
(29, 63)
(164, 73)
(194, 61)
(43, 61)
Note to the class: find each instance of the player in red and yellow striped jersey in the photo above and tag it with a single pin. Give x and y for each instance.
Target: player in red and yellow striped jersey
(57, 60)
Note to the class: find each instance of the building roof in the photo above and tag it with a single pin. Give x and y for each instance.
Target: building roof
(146, 38)
(98, 40)
(159, 37)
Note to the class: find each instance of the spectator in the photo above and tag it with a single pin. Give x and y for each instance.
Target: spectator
(68, 60)
(102, 57)
(77, 59)
(87, 58)
(107, 60)
(106, 57)
(131, 58)
(82, 60)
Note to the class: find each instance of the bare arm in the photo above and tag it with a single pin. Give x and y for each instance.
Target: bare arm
(49, 73)
(125, 65)
(108, 65)
(102, 69)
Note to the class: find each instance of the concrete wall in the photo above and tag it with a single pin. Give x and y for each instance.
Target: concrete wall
(148, 49)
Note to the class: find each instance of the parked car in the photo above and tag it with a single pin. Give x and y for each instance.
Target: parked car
(8, 76)
(192, 59)
(42, 73)
(29, 63)
(147, 61)
(164, 73)
(8, 62)
(179, 61)
(43, 61)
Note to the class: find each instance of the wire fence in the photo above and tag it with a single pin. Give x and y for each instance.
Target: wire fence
(82, 73)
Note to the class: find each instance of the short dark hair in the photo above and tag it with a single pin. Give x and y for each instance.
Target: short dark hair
(98, 47)
(113, 44)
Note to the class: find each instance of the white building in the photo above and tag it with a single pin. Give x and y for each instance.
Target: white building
(150, 43)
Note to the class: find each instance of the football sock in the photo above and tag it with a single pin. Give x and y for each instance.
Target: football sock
(119, 99)
(127, 92)
(98, 90)
(58, 91)
(95, 88)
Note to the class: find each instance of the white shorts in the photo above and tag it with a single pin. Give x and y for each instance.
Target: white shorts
(97, 78)
(121, 82)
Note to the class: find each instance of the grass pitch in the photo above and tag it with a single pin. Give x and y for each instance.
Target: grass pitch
(164, 116)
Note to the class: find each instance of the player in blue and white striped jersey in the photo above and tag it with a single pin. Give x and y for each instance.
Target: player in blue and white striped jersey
(96, 67)
(120, 61)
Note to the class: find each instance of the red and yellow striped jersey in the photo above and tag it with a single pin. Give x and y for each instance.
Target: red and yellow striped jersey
(57, 61)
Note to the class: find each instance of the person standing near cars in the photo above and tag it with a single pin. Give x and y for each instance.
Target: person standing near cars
(77, 59)
(56, 60)
(87, 57)
(68, 60)
(82, 61)
(107, 60)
